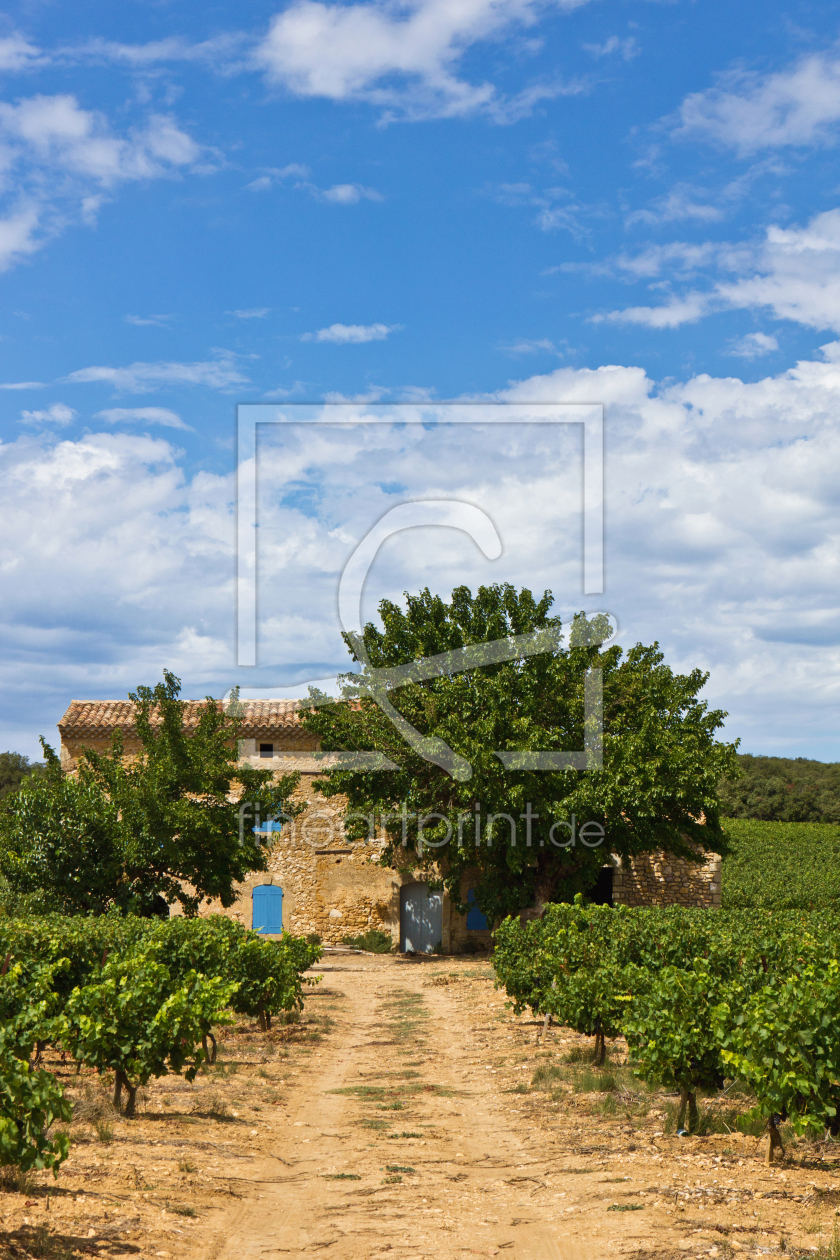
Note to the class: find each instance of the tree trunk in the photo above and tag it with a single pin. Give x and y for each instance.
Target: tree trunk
(774, 1141)
(600, 1045)
(132, 1098)
(688, 1100)
(268, 1019)
(211, 1054)
(118, 1084)
(261, 1014)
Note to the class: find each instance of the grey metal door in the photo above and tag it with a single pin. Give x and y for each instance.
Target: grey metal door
(421, 919)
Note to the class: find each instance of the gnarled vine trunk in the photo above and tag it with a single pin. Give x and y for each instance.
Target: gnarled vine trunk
(688, 1101)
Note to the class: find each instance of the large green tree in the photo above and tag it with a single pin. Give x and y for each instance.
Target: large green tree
(131, 832)
(649, 782)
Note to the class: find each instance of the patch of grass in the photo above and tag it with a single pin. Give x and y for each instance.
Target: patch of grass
(545, 1077)
(42, 1245)
(93, 1105)
(577, 1054)
(626, 1207)
(392, 1180)
(104, 1131)
(341, 1176)
(521, 1088)
(574, 1171)
(225, 1067)
(399, 1168)
(186, 1167)
(372, 1124)
(828, 1251)
(14, 1180)
(361, 1091)
(404, 1135)
(712, 1121)
(373, 941)
(215, 1106)
(592, 1082)
(608, 1106)
(392, 1106)
(182, 1209)
(263, 1075)
(609, 1181)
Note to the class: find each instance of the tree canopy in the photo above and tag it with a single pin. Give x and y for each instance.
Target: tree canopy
(129, 832)
(783, 789)
(653, 784)
(14, 768)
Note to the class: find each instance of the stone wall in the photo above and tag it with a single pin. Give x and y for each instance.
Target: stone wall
(660, 879)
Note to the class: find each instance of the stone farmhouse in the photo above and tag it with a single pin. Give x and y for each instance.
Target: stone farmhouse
(317, 881)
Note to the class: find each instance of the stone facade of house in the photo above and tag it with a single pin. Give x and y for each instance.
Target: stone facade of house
(329, 885)
(660, 879)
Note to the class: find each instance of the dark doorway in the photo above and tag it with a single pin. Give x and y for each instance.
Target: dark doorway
(601, 892)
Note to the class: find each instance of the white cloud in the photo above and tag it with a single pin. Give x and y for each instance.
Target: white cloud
(538, 345)
(18, 235)
(796, 276)
(58, 413)
(722, 542)
(17, 53)
(793, 274)
(627, 48)
(682, 257)
(671, 314)
(404, 58)
(749, 112)
(753, 346)
(139, 378)
(59, 160)
(256, 312)
(680, 203)
(151, 415)
(22, 385)
(349, 194)
(216, 52)
(148, 321)
(273, 174)
(56, 130)
(352, 334)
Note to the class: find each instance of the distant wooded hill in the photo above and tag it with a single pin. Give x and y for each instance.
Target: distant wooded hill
(783, 789)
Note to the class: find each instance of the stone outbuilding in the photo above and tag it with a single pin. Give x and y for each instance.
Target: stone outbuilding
(319, 882)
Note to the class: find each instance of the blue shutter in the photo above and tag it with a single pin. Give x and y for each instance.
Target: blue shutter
(476, 921)
(267, 909)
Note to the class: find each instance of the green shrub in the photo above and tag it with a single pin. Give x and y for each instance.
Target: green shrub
(373, 941)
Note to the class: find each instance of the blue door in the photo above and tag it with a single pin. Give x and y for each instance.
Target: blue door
(476, 921)
(268, 908)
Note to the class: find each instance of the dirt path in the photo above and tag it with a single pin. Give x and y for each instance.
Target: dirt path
(403, 1140)
(403, 1067)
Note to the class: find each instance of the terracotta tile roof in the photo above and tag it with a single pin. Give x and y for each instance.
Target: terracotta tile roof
(101, 717)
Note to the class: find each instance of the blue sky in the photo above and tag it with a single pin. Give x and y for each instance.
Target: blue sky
(634, 204)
